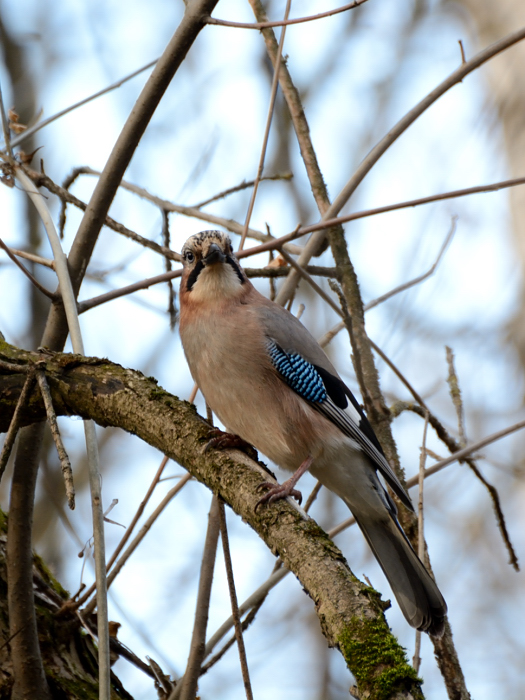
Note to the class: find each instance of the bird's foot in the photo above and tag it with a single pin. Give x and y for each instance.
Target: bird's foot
(278, 491)
(226, 441)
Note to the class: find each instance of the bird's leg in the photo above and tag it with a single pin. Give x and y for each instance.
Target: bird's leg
(223, 441)
(278, 491)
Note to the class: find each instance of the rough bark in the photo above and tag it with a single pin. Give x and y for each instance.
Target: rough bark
(68, 653)
(350, 614)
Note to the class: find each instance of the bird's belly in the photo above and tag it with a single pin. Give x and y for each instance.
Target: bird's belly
(241, 387)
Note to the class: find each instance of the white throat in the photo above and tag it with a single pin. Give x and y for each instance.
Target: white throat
(217, 282)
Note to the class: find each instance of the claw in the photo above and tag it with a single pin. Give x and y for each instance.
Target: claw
(277, 492)
(224, 441)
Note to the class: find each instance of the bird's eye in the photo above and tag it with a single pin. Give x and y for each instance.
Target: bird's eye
(189, 256)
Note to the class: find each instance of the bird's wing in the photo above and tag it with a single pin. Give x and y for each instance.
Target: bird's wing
(302, 364)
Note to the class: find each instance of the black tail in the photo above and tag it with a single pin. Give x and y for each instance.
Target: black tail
(416, 592)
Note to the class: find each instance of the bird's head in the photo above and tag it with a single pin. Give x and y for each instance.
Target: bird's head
(211, 270)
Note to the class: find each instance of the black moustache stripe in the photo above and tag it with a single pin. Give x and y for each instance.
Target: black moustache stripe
(235, 266)
(192, 277)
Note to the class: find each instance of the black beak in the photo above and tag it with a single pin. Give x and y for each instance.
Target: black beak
(214, 255)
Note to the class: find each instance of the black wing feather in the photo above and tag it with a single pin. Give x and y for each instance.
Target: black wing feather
(333, 407)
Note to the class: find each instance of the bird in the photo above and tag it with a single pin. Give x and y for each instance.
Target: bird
(270, 384)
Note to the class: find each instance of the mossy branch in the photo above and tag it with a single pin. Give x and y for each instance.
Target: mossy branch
(350, 614)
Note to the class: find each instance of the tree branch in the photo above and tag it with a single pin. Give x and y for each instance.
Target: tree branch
(351, 614)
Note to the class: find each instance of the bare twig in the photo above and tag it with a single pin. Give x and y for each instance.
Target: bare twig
(43, 180)
(330, 335)
(276, 243)
(87, 304)
(311, 282)
(420, 278)
(40, 125)
(33, 280)
(119, 564)
(467, 451)
(316, 241)
(285, 22)
(455, 448)
(34, 258)
(5, 126)
(238, 188)
(172, 312)
(127, 534)
(273, 93)
(399, 374)
(455, 394)
(453, 194)
(138, 514)
(70, 308)
(84, 306)
(420, 529)
(187, 688)
(463, 58)
(65, 464)
(234, 603)
(192, 212)
(15, 420)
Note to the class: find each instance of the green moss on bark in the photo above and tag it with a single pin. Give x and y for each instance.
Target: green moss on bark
(377, 661)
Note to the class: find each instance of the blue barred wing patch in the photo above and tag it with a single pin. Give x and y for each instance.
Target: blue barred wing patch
(299, 374)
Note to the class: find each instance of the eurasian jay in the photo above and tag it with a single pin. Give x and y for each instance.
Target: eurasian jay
(271, 384)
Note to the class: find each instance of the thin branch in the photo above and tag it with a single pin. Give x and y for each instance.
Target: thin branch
(70, 308)
(285, 22)
(254, 602)
(420, 529)
(84, 306)
(15, 420)
(272, 272)
(311, 282)
(128, 532)
(172, 312)
(235, 606)
(238, 188)
(5, 127)
(276, 243)
(421, 278)
(399, 374)
(273, 93)
(32, 130)
(402, 125)
(330, 335)
(65, 464)
(467, 451)
(454, 447)
(33, 280)
(187, 690)
(43, 180)
(33, 258)
(302, 131)
(500, 518)
(119, 564)
(87, 304)
(192, 212)
(455, 395)
(316, 241)
(453, 194)
(461, 455)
